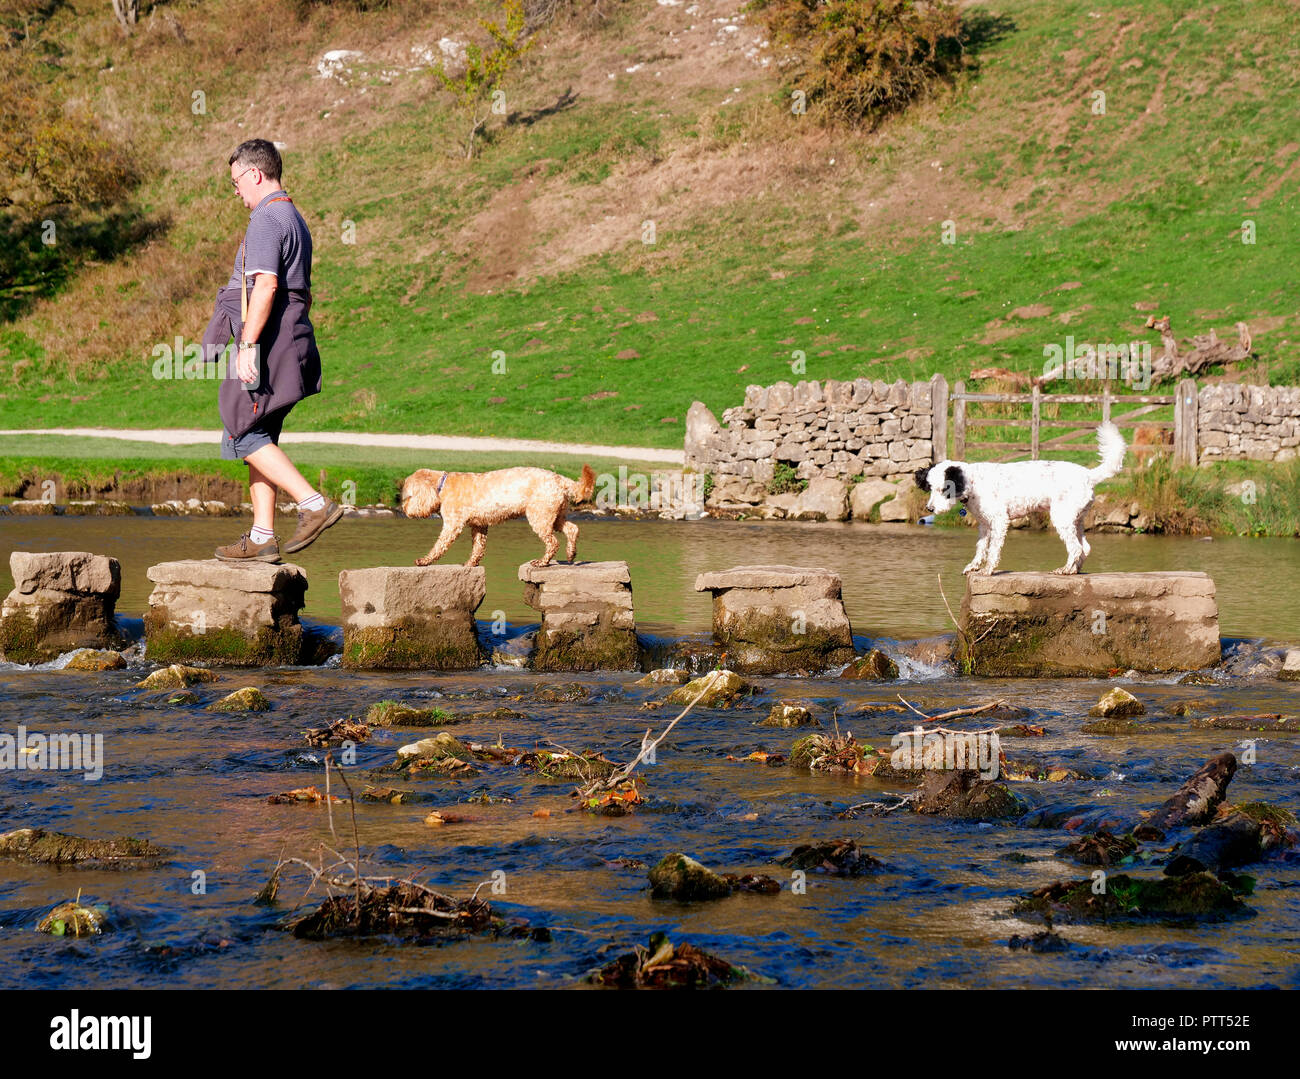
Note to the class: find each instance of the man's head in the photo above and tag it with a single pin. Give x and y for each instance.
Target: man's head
(255, 170)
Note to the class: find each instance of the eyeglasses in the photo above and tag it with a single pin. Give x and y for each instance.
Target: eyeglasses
(235, 181)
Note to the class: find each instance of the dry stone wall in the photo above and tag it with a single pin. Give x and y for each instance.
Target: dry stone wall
(1252, 423)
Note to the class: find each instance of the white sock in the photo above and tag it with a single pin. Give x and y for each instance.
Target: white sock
(261, 535)
(312, 504)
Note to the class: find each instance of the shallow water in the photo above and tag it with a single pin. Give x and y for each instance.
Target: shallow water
(197, 782)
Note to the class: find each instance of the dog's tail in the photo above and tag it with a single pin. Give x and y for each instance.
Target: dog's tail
(1110, 443)
(580, 490)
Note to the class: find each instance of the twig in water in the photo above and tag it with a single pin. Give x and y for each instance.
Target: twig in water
(972, 711)
(356, 836)
(647, 746)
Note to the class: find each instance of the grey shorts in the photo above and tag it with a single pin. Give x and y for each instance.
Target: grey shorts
(263, 434)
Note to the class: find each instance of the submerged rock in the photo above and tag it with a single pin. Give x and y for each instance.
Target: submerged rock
(1120, 897)
(177, 676)
(965, 795)
(841, 858)
(789, 714)
(560, 692)
(874, 665)
(665, 966)
(665, 676)
(247, 699)
(436, 748)
(91, 659)
(1273, 722)
(679, 876)
(713, 689)
(1229, 841)
(1099, 848)
(1125, 727)
(37, 846)
(75, 919)
(1116, 704)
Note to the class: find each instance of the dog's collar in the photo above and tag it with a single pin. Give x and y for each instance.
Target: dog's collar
(440, 483)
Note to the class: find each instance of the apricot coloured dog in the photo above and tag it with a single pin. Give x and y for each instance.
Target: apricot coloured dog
(481, 499)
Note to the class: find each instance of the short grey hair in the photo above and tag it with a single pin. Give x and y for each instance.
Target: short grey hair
(259, 154)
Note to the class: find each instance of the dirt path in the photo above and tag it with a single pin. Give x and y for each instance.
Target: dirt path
(186, 437)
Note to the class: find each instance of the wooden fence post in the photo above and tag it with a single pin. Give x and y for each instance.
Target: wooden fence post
(1185, 402)
(1038, 415)
(959, 421)
(939, 416)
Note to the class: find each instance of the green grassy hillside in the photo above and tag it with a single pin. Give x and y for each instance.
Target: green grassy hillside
(771, 235)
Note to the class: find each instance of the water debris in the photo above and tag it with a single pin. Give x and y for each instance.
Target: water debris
(664, 965)
(403, 909)
(74, 918)
(495, 715)
(840, 858)
(1119, 897)
(1126, 727)
(875, 665)
(616, 801)
(717, 689)
(761, 756)
(1118, 703)
(563, 764)
(309, 795)
(439, 746)
(396, 714)
(1269, 722)
(391, 796)
(1037, 772)
(247, 699)
(679, 876)
(91, 659)
(37, 846)
(665, 676)
(836, 753)
(177, 676)
(1099, 848)
(338, 732)
(790, 714)
(1195, 801)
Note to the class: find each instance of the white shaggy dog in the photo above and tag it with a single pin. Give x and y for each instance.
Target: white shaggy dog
(995, 493)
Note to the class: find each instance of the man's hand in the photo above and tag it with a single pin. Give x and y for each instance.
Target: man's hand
(247, 365)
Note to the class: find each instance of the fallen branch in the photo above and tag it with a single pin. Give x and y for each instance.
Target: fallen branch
(956, 712)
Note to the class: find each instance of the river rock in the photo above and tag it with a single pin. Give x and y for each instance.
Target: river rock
(1050, 625)
(1127, 898)
(412, 617)
(779, 619)
(61, 600)
(1290, 671)
(712, 689)
(233, 613)
(439, 746)
(247, 699)
(1225, 843)
(874, 665)
(789, 714)
(177, 676)
(679, 876)
(665, 676)
(91, 659)
(965, 795)
(588, 622)
(867, 495)
(1117, 704)
(825, 499)
(1195, 801)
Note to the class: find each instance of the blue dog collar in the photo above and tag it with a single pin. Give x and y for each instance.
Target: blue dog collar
(441, 482)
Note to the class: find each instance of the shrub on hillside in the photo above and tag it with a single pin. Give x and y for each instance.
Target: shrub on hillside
(857, 61)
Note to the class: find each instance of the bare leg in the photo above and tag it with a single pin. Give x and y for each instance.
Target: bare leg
(274, 467)
(480, 544)
(450, 530)
(262, 493)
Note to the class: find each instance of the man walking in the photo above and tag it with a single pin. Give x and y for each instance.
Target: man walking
(264, 307)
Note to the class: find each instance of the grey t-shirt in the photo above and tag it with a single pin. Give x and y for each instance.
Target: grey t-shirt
(278, 242)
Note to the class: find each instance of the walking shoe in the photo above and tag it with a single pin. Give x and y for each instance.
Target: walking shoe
(312, 524)
(245, 550)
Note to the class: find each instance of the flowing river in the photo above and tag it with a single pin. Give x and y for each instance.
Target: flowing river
(197, 783)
